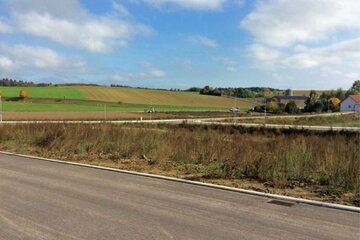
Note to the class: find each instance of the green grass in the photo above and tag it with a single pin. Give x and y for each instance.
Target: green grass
(10, 106)
(44, 92)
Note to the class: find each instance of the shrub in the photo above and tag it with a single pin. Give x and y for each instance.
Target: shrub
(291, 107)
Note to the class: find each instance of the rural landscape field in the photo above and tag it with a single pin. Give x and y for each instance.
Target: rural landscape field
(180, 119)
(89, 102)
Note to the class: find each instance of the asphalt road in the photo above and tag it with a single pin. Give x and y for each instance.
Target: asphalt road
(45, 200)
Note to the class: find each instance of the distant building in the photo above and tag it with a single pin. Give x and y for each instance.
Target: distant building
(289, 92)
(350, 104)
(299, 100)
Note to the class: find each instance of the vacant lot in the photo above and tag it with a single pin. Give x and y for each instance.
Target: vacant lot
(321, 166)
(346, 120)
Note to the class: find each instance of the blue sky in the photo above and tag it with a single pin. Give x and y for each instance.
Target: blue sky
(300, 44)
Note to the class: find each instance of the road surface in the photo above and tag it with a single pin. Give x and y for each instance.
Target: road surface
(46, 200)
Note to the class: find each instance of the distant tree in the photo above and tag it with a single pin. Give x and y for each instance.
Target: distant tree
(340, 94)
(318, 107)
(272, 106)
(310, 102)
(334, 104)
(23, 94)
(266, 92)
(280, 109)
(355, 89)
(356, 86)
(244, 93)
(291, 107)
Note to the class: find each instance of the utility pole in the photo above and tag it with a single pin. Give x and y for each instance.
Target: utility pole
(105, 113)
(235, 109)
(265, 106)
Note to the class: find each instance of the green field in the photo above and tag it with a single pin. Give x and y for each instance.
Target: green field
(45, 92)
(90, 98)
(10, 106)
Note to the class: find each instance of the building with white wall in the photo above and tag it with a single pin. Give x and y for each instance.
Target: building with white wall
(350, 104)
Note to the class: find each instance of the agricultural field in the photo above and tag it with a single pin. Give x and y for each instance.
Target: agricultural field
(44, 92)
(92, 99)
(96, 106)
(158, 97)
(321, 166)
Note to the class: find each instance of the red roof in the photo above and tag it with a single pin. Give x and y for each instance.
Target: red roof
(355, 98)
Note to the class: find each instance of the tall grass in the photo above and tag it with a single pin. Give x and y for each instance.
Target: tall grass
(329, 158)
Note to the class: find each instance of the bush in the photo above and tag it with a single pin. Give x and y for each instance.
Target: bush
(291, 107)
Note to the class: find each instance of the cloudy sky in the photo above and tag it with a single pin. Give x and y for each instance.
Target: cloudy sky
(300, 44)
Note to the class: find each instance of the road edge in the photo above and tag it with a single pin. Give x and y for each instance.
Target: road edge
(220, 187)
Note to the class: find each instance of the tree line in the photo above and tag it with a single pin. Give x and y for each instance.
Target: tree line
(6, 82)
(251, 92)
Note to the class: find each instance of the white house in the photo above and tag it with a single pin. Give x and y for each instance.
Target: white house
(350, 104)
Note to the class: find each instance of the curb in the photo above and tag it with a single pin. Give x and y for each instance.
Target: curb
(209, 185)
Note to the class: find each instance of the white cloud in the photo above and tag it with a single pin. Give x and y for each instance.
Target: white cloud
(5, 28)
(353, 75)
(231, 69)
(14, 58)
(202, 40)
(68, 23)
(342, 53)
(150, 74)
(264, 53)
(6, 63)
(281, 23)
(207, 5)
(225, 60)
(121, 9)
(228, 62)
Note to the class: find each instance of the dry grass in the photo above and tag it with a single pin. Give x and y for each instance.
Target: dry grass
(326, 163)
(158, 97)
(345, 120)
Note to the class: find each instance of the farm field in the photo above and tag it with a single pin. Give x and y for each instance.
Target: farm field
(17, 106)
(158, 97)
(90, 98)
(44, 92)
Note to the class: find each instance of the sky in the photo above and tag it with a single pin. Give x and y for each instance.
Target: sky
(298, 44)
